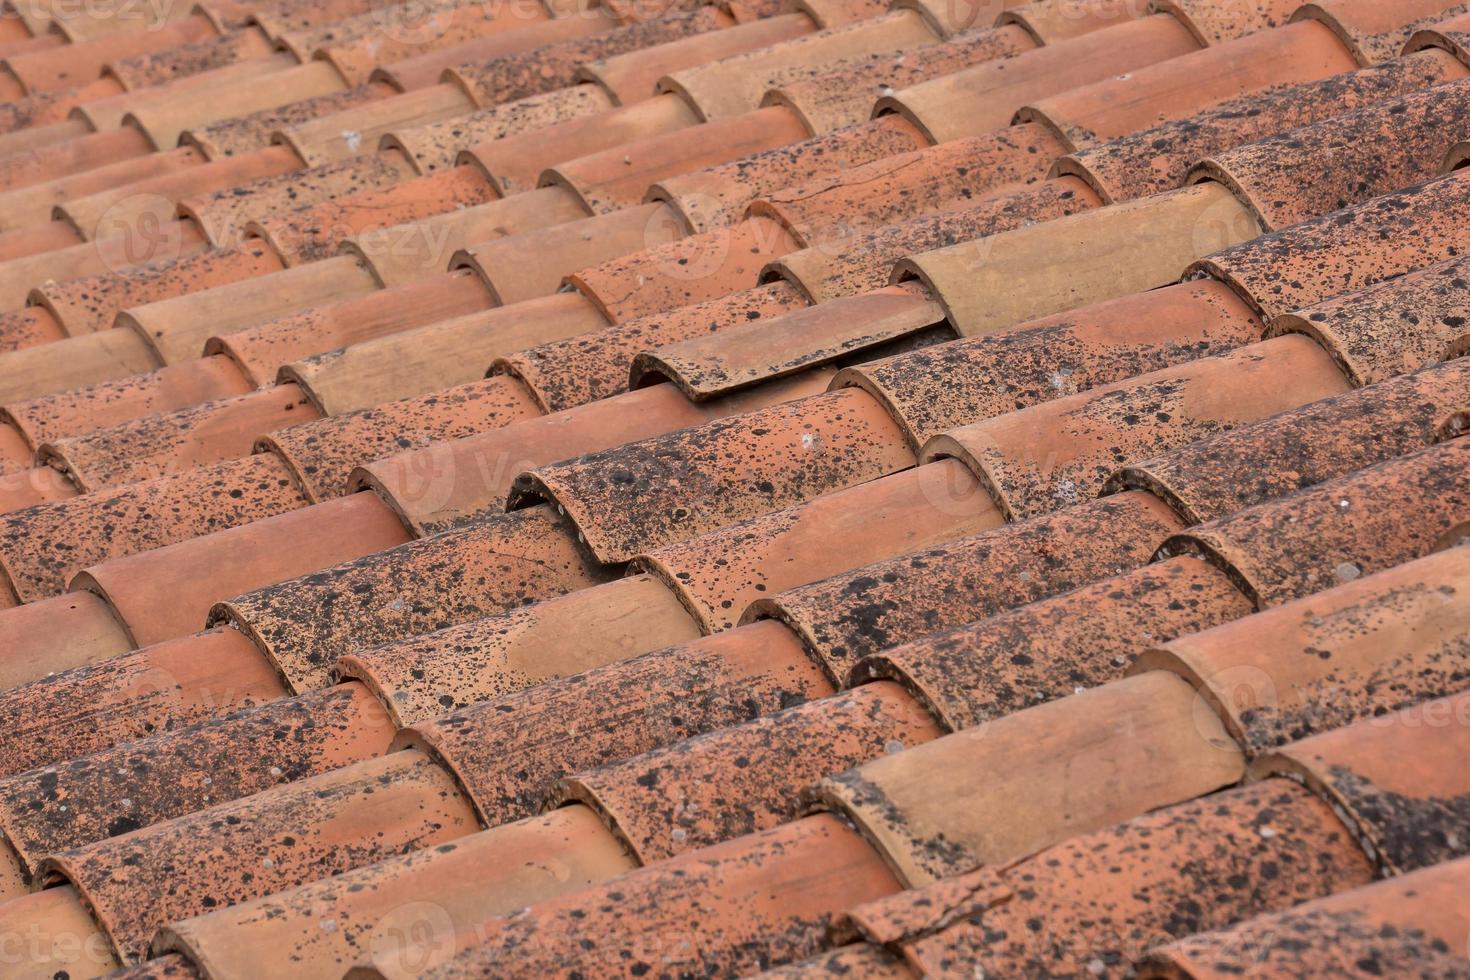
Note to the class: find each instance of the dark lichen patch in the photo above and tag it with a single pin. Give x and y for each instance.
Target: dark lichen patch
(1407, 831)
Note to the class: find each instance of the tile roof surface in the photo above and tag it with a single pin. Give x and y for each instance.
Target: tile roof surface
(678, 488)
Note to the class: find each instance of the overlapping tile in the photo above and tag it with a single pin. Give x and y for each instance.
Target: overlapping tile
(756, 497)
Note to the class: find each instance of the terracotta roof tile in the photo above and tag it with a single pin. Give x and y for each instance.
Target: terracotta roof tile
(951, 107)
(740, 889)
(1267, 699)
(1156, 159)
(590, 366)
(1061, 451)
(102, 705)
(1355, 529)
(42, 547)
(1408, 925)
(254, 847)
(1346, 251)
(162, 593)
(1401, 808)
(1272, 458)
(1104, 898)
(846, 617)
(927, 442)
(485, 659)
(305, 624)
(440, 881)
(644, 495)
(54, 808)
(750, 775)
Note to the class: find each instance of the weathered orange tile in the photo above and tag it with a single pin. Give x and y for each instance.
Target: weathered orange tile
(669, 275)
(717, 575)
(1299, 449)
(247, 848)
(423, 677)
(1296, 267)
(733, 908)
(141, 783)
(451, 484)
(847, 329)
(1392, 327)
(1049, 649)
(847, 617)
(613, 713)
(260, 351)
(56, 634)
(1392, 778)
(1266, 174)
(834, 99)
(590, 366)
(42, 546)
(158, 445)
(169, 685)
(167, 592)
(1179, 87)
(746, 778)
(1360, 650)
(434, 892)
(1157, 158)
(304, 624)
(322, 453)
(1414, 925)
(1060, 452)
(930, 391)
(1102, 899)
(1034, 778)
(668, 488)
(984, 98)
(717, 196)
(1336, 532)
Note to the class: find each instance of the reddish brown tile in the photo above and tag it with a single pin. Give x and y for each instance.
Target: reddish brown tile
(1414, 925)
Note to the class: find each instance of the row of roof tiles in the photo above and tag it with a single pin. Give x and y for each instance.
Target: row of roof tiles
(1056, 457)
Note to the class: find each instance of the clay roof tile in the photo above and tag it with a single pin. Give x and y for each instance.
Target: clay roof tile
(1391, 776)
(1340, 530)
(1410, 925)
